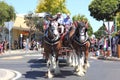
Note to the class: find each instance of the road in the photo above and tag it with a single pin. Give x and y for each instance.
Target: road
(33, 67)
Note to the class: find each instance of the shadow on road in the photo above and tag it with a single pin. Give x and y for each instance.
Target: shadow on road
(42, 74)
(39, 69)
(38, 63)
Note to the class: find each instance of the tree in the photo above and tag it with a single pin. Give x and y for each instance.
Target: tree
(104, 9)
(101, 32)
(83, 18)
(34, 22)
(29, 20)
(7, 13)
(118, 20)
(52, 6)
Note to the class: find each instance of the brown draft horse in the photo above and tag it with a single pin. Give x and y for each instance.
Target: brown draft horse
(77, 39)
(52, 45)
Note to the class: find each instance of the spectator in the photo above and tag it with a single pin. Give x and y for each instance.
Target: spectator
(101, 43)
(118, 46)
(114, 45)
(105, 45)
(24, 44)
(15, 44)
(1, 47)
(92, 40)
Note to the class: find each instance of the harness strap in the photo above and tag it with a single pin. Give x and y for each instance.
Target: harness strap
(52, 43)
(80, 42)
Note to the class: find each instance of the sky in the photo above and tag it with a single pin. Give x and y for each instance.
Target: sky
(74, 6)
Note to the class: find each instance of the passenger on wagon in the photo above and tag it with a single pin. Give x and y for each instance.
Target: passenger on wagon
(67, 22)
(47, 22)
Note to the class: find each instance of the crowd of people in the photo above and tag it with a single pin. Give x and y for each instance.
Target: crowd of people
(105, 46)
(32, 45)
(4, 45)
(26, 45)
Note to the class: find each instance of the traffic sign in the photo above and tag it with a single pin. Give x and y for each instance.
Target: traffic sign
(9, 25)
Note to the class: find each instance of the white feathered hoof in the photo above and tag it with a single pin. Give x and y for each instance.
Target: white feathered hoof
(76, 69)
(85, 68)
(80, 73)
(72, 65)
(88, 64)
(49, 74)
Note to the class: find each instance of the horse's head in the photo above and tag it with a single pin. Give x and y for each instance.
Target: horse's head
(52, 32)
(81, 32)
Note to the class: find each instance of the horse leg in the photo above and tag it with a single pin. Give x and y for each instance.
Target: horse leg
(86, 63)
(79, 68)
(69, 58)
(57, 68)
(74, 59)
(50, 75)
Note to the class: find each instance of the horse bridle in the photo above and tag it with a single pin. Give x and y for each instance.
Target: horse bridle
(76, 38)
(53, 41)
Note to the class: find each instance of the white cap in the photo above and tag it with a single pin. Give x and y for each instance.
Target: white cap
(68, 14)
(59, 13)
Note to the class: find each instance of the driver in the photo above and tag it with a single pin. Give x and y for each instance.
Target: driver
(59, 19)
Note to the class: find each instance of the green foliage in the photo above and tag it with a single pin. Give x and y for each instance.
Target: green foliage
(79, 18)
(39, 24)
(33, 21)
(101, 32)
(52, 6)
(7, 12)
(118, 20)
(103, 9)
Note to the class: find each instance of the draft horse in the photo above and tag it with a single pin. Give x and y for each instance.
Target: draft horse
(52, 45)
(79, 42)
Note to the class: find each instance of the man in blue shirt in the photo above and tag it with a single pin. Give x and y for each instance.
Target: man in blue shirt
(67, 22)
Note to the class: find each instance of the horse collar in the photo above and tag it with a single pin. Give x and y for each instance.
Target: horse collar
(80, 43)
(48, 41)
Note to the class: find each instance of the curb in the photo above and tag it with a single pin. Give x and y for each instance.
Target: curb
(109, 58)
(18, 52)
(7, 74)
(17, 75)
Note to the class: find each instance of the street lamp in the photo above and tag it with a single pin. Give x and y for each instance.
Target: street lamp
(109, 26)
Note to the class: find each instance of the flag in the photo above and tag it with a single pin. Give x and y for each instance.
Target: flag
(109, 26)
(113, 29)
(106, 26)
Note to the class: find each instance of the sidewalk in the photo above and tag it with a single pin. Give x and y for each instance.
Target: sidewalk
(20, 51)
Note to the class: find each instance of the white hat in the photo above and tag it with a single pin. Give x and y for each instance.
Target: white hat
(59, 13)
(68, 14)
